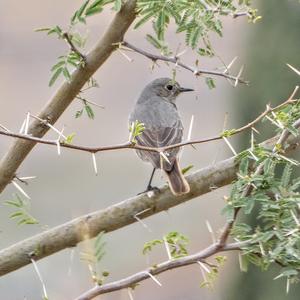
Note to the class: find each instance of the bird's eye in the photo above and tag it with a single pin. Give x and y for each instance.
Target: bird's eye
(169, 87)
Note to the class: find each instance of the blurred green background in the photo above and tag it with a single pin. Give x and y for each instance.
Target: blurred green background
(66, 186)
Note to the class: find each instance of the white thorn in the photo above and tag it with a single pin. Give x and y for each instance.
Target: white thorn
(163, 155)
(202, 265)
(71, 262)
(58, 147)
(4, 128)
(27, 178)
(27, 123)
(167, 248)
(190, 128)
(238, 76)
(253, 155)
(40, 278)
(20, 189)
(294, 69)
(125, 55)
(287, 285)
(274, 122)
(230, 65)
(153, 278)
(210, 230)
(229, 145)
(262, 250)
(182, 52)
(203, 275)
(22, 127)
(49, 125)
(143, 223)
(95, 163)
(255, 130)
(130, 294)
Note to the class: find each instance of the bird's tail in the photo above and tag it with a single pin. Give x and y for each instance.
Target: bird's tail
(177, 182)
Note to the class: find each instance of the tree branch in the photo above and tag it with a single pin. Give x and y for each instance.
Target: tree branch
(68, 91)
(129, 145)
(131, 281)
(122, 214)
(175, 60)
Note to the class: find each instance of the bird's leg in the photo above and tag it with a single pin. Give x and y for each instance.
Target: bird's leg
(149, 186)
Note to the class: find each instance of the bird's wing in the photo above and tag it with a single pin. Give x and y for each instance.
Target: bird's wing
(160, 137)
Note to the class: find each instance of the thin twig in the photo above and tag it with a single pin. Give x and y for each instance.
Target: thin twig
(175, 60)
(66, 36)
(132, 280)
(89, 101)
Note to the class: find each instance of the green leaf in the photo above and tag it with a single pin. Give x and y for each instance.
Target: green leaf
(78, 113)
(58, 65)
(143, 20)
(93, 11)
(16, 214)
(210, 82)
(70, 138)
(66, 74)
(55, 76)
(186, 169)
(118, 5)
(149, 245)
(89, 111)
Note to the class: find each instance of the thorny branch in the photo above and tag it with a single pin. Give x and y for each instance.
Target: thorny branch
(130, 145)
(175, 60)
(131, 281)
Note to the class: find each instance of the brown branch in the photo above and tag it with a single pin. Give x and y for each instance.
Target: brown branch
(131, 281)
(68, 91)
(122, 214)
(175, 60)
(129, 145)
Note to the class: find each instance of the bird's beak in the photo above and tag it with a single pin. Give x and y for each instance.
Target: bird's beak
(182, 89)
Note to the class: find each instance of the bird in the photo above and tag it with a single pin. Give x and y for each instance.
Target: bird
(156, 109)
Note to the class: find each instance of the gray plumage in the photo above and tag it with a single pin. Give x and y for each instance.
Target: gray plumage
(156, 108)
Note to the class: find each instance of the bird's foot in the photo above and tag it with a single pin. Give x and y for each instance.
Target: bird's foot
(151, 190)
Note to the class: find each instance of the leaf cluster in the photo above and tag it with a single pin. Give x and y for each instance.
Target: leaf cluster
(93, 257)
(136, 128)
(21, 211)
(196, 19)
(176, 242)
(274, 200)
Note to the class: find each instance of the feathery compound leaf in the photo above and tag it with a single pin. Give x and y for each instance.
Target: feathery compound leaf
(286, 175)
(135, 129)
(22, 212)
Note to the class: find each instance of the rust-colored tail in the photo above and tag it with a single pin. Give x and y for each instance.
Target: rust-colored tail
(177, 182)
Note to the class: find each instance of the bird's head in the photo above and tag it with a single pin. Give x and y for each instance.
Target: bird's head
(166, 88)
